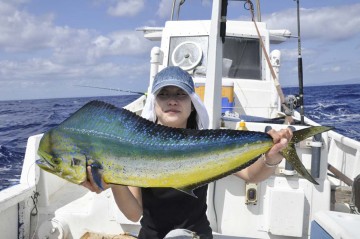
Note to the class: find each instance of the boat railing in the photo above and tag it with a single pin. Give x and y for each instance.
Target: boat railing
(17, 193)
(344, 155)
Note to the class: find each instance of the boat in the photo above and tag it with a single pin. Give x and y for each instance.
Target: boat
(237, 76)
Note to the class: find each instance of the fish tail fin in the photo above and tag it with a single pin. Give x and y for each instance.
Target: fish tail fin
(290, 154)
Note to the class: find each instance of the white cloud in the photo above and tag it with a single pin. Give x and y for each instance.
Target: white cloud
(63, 84)
(126, 8)
(20, 31)
(208, 2)
(23, 32)
(291, 54)
(34, 53)
(44, 70)
(164, 9)
(91, 48)
(120, 43)
(165, 6)
(331, 69)
(328, 23)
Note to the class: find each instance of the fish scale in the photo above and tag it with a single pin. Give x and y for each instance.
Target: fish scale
(129, 150)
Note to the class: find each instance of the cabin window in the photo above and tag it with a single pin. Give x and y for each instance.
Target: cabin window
(241, 58)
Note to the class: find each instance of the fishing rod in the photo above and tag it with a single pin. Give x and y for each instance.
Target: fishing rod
(300, 68)
(114, 89)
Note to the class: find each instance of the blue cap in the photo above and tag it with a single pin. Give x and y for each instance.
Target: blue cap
(173, 76)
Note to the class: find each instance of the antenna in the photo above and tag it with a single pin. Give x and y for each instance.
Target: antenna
(178, 9)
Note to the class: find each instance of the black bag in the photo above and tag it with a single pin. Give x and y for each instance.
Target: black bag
(356, 194)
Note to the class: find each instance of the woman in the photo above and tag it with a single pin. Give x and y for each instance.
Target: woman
(173, 103)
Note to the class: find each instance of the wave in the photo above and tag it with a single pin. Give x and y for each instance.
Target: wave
(5, 168)
(58, 105)
(57, 116)
(348, 96)
(8, 155)
(10, 167)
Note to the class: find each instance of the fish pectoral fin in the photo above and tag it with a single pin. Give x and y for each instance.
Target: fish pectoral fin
(96, 168)
(188, 191)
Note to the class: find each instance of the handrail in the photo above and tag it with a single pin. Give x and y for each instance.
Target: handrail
(344, 140)
(15, 194)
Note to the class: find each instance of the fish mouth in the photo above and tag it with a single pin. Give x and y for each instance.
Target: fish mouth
(70, 174)
(43, 162)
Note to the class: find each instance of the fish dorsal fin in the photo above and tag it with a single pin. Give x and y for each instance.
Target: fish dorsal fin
(111, 121)
(106, 120)
(96, 113)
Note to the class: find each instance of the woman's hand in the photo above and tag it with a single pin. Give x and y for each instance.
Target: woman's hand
(281, 139)
(128, 199)
(264, 167)
(91, 184)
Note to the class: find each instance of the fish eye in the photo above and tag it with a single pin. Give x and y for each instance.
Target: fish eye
(75, 162)
(56, 160)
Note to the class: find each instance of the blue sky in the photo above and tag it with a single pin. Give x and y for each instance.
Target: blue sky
(48, 46)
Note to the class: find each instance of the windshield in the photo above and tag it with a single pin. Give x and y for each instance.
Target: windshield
(241, 58)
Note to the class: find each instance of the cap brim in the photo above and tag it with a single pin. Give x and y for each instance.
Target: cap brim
(176, 83)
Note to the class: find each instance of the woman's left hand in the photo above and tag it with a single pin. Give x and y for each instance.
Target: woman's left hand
(281, 139)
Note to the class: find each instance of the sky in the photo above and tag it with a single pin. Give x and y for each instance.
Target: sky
(47, 47)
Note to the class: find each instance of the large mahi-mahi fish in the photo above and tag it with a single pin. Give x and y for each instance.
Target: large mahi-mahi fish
(131, 150)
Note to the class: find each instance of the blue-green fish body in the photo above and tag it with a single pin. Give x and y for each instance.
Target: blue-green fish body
(133, 151)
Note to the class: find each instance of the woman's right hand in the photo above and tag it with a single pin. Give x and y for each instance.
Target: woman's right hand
(128, 199)
(91, 184)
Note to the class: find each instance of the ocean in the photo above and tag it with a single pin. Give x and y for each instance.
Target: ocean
(337, 105)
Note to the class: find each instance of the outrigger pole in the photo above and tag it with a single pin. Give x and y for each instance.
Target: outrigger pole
(113, 89)
(300, 68)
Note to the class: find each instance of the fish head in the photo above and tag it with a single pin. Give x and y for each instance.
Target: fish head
(62, 158)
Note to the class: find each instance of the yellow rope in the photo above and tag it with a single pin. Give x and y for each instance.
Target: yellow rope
(276, 81)
(277, 84)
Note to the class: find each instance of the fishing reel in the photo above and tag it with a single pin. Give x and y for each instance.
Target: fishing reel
(291, 103)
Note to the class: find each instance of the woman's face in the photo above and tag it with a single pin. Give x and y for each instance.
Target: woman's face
(172, 107)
